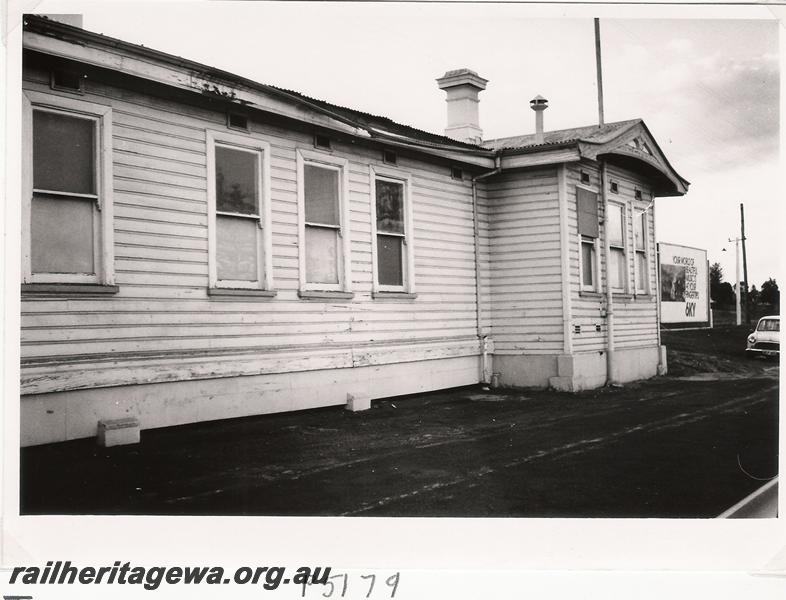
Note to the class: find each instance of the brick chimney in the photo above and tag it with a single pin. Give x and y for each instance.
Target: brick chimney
(462, 87)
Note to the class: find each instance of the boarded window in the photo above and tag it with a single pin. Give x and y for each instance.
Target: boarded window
(389, 260)
(237, 252)
(61, 235)
(63, 153)
(322, 255)
(641, 271)
(323, 224)
(640, 226)
(321, 195)
(614, 223)
(587, 206)
(237, 177)
(640, 243)
(617, 268)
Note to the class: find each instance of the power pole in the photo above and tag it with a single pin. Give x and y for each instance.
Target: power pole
(599, 72)
(744, 265)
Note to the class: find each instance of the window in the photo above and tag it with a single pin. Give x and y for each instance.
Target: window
(640, 242)
(67, 199)
(769, 325)
(321, 141)
(588, 261)
(323, 181)
(237, 121)
(391, 232)
(238, 212)
(585, 178)
(66, 80)
(456, 173)
(587, 215)
(614, 187)
(389, 157)
(615, 220)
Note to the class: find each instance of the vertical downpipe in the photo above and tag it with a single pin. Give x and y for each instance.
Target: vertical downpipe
(610, 364)
(484, 343)
(564, 233)
(478, 317)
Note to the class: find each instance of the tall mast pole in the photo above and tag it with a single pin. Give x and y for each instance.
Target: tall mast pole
(599, 70)
(744, 265)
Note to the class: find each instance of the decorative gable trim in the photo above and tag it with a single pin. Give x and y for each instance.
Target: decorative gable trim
(637, 143)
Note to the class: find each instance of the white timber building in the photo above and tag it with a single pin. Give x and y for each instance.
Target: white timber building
(199, 246)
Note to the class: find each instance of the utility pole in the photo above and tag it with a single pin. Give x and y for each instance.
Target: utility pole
(599, 71)
(744, 265)
(737, 285)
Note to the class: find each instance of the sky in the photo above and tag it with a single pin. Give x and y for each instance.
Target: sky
(704, 79)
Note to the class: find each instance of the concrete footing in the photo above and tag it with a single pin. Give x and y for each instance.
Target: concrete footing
(118, 432)
(582, 370)
(357, 403)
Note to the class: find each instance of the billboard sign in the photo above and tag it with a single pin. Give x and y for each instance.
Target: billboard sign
(684, 284)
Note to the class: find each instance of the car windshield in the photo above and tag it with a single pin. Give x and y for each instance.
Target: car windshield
(769, 325)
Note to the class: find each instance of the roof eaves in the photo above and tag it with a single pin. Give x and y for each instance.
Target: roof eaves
(537, 147)
(46, 26)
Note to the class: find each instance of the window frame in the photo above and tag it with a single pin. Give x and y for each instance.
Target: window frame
(103, 226)
(593, 287)
(341, 165)
(595, 241)
(408, 250)
(623, 246)
(644, 251)
(249, 144)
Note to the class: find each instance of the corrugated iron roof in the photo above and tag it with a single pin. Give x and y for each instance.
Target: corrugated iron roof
(590, 133)
(382, 125)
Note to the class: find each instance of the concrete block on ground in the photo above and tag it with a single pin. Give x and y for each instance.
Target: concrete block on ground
(356, 402)
(118, 432)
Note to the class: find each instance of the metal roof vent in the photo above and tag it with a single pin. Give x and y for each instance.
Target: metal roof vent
(539, 104)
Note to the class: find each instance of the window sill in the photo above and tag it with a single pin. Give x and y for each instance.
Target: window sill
(644, 298)
(624, 296)
(234, 292)
(325, 295)
(589, 294)
(58, 289)
(393, 296)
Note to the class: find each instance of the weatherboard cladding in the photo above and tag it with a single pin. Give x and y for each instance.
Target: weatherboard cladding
(635, 316)
(162, 326)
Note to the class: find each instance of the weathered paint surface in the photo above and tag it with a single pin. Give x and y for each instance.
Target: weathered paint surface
(162, 326)
(635, 313)
(524, 256)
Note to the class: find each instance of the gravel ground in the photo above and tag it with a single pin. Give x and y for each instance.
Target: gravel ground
(690, 444)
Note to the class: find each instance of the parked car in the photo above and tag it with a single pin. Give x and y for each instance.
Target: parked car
(765, 339)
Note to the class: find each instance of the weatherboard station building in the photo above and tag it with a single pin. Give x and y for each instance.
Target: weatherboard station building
(199, 246)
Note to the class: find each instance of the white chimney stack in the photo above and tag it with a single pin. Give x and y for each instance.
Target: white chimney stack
(462, 87)
(539, 104)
